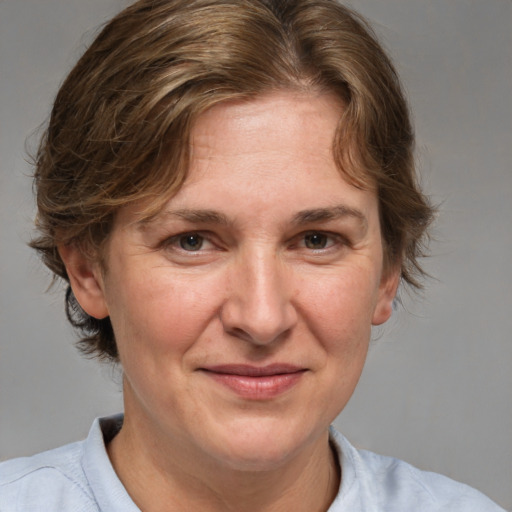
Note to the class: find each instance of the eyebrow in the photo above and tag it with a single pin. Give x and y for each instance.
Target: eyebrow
(303, 217)
(192, 216)
(328, 214)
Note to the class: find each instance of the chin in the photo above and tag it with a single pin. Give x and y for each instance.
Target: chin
(256, 458)
(264, 445)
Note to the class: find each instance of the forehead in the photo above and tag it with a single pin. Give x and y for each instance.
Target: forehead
(273, 153)
(275, 123)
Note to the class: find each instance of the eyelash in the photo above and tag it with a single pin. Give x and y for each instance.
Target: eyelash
(175, 241)
(331, 240)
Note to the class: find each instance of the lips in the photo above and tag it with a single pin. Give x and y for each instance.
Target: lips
(256, 383)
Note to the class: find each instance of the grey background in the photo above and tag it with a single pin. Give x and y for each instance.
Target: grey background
(437, 389)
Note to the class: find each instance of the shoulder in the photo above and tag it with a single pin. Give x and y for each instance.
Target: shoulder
(49, 481)
(407, 485)
(386, 483)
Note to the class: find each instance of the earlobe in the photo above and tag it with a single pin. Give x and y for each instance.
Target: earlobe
(387, 293)
(85, 279)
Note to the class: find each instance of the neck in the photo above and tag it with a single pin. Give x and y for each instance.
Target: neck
(160, 476)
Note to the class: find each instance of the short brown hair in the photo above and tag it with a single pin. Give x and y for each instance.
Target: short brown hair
(120, 125)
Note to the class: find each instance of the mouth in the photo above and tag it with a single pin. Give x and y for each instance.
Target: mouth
(254, 382)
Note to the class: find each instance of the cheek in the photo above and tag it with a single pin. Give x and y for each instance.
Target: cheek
(341, 306)
(156, 314)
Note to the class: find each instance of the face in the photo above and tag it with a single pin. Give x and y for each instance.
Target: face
(242, 312)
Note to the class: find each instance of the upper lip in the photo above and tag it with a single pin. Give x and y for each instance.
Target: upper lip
(254, 371)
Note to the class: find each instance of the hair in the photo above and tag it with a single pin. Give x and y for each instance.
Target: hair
(120, 125)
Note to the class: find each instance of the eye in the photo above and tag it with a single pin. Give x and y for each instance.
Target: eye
(191, 242)
(316, 240)
(192, 247)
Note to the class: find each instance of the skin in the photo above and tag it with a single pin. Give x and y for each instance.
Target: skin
(265, 256)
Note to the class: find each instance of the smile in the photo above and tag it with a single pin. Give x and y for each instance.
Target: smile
(256, 383)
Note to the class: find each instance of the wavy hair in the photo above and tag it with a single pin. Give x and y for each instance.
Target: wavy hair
(120, 125)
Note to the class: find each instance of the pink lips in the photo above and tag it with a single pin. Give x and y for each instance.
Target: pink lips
(257, 383)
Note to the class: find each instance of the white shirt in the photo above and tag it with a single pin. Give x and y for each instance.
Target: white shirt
(80, 478)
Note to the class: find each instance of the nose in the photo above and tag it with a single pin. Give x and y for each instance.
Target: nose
(259, 308)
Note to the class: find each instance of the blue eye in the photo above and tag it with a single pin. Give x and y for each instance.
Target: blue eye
(316, 241)
(191, 242)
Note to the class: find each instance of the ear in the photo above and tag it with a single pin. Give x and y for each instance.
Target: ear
(387, 292)
(86, 280)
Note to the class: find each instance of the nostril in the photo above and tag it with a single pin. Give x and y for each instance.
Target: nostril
(262, 339)
(239, 333)
(258, 310)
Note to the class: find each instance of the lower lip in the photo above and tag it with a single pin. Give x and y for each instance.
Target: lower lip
(257, 388)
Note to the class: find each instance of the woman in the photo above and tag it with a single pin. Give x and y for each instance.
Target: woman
(228, 187)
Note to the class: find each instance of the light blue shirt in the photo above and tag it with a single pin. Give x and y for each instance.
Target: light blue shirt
(80, 478)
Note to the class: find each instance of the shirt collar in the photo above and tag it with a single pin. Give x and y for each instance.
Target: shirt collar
(108, 491)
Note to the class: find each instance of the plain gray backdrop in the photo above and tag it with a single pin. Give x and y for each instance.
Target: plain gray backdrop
(437, 389)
